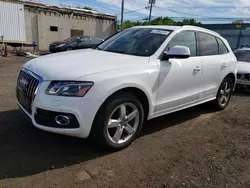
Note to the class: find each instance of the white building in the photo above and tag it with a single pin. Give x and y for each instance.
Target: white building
(32, 21)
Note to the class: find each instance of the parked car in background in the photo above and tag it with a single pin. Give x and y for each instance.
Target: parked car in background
(138, 74)
(243, 68)
(74, 43)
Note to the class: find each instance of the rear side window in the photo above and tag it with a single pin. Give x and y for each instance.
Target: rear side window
(184, 38)
(242, 55)
(96, 40)
(222, 47)
(207, 44)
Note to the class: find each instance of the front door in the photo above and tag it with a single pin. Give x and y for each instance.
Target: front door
(85, 42)
(178, 84)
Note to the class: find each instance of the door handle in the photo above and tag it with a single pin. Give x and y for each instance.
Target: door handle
(196, 69)
(224, 65)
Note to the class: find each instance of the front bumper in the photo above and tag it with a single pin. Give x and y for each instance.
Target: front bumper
(242, 84)
(83, 109)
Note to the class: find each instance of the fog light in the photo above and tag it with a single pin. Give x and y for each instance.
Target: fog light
(62, 120)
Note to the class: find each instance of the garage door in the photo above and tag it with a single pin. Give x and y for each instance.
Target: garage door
(75, 32)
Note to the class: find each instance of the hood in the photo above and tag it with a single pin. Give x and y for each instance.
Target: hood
(75, 64)
(243, 67)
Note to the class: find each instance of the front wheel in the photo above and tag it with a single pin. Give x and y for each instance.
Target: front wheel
(224, 94)
(118, 122)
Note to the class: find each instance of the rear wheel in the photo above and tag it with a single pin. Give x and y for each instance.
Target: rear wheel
(118, 122)
(224, 94)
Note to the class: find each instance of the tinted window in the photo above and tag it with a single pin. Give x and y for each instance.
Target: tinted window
(135, 41)
(222, 47)
(207, 44)
(242, 55)
(73, 39)
(85, 39)
(96, 40)
(185, 38)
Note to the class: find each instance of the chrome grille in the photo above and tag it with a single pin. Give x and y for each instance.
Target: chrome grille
(26, 88)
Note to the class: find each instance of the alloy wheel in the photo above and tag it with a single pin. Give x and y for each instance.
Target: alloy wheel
(123, 123)
(225, 93)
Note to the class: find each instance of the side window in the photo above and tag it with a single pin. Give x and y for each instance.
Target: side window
(207, 44)
(96, 40)
(85, 39)
(185, 38)
(222, 47)
(242, 55)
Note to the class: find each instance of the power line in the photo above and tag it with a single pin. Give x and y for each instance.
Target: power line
(221, 18)
(132, 5)
(208, 7)
(133, 10)
(130, 11)
(176, 11)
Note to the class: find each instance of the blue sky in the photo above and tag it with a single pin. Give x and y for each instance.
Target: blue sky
(172, 8)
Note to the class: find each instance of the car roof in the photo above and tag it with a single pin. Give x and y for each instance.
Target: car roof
(173, 28)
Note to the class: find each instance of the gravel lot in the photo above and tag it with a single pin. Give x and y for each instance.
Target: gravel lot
(196, 147)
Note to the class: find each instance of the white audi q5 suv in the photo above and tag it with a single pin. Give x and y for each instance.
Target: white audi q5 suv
(136, 75)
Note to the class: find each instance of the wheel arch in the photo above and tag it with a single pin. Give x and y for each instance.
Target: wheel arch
(232, 76)
(229, 75)
(138, 92)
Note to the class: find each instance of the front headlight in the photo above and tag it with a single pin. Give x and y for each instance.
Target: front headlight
(69, 88)
(60, 45)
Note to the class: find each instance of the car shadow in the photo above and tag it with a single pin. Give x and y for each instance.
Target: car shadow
(175, 118)
(242, 93)
(26, 150)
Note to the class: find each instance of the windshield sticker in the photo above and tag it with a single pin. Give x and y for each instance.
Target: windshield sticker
(161, 32)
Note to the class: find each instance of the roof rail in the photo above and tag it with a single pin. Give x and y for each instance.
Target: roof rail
(200, 27)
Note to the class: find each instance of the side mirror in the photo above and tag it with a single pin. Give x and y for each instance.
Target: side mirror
(180, 52)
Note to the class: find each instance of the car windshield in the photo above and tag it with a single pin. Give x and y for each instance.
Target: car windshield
(135, 41)
(242, 55)
(72, 39)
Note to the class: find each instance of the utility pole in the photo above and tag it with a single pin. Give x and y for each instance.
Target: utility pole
(150, 12)
(122, 12)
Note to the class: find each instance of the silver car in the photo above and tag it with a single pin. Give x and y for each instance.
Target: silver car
(243, 68)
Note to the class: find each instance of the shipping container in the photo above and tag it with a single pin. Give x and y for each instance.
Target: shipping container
(12, 24)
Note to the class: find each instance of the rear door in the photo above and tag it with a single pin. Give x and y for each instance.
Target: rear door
(215, 58)
(95, 41)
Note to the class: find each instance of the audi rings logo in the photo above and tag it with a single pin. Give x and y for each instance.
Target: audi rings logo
(24, 82)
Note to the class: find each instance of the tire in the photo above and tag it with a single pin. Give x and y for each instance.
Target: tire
(224, 91)
(106, 134)
(69, 48)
